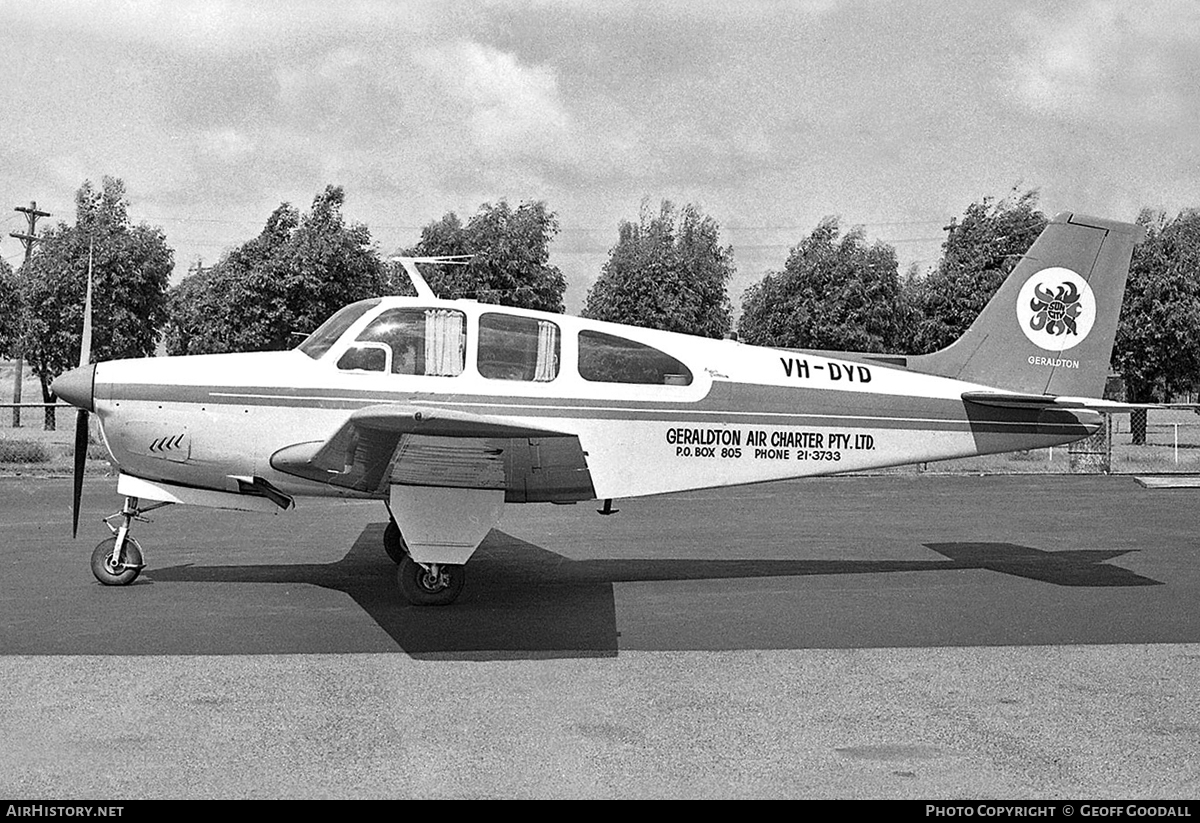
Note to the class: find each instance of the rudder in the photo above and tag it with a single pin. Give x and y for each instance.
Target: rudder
(1050, 328)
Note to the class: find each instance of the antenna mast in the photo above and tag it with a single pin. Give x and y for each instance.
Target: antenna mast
(414, 274)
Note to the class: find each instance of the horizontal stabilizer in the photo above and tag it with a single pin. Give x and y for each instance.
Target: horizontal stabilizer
(1009, 400)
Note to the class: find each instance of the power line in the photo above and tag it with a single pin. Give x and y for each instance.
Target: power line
(581, 229)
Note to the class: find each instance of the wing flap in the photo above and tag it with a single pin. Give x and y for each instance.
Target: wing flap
(455, 462)
(419, 446)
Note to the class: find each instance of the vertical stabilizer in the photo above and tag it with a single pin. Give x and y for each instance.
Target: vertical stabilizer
(1050, 328)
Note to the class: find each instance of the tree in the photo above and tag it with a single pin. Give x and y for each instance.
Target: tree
(510, 254)
(1157, 350)
(977, 255)
(130, 265)
(296, 273)
(840, 294)
(668, 271)
(194, 309)
(11, 310)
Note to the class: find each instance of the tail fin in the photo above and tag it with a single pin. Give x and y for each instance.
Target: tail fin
(1050, 328)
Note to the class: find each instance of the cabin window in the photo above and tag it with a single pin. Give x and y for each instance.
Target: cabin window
(414, 341)
(366, 357)
(606, 358)
(518, 348)
(317, 343)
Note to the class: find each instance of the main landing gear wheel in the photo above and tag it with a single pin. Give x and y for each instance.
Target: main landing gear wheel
(121, 571)
(434, 584)
(393, 542)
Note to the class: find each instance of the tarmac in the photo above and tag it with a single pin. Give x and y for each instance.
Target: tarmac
(906, 636)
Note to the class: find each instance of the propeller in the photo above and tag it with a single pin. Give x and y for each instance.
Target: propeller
(81, 416)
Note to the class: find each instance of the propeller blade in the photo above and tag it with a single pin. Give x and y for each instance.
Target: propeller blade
(85, 346)
(81, 444)
(81, 417)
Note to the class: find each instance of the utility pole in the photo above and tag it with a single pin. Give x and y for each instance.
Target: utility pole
(29, 238)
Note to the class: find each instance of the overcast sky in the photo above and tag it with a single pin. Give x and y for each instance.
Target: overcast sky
(768, 116)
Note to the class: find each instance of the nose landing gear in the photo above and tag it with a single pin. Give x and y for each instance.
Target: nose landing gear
(117, 561)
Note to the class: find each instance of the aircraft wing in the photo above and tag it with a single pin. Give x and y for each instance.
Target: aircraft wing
(1010, 400)
(420, 446)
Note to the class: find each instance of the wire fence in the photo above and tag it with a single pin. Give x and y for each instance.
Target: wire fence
(45, 416)
(1168, 428)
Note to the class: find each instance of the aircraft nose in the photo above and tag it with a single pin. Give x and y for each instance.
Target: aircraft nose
(76, 386)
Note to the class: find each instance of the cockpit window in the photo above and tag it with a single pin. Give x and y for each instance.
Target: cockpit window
(411, 341)
(365, 357)
(317, 343)
(518, 348)
(606, 358)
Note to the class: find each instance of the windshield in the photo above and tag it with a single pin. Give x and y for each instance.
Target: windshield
(317, 343)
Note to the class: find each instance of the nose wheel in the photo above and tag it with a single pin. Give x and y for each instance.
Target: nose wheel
(118, 560)
(113, 568)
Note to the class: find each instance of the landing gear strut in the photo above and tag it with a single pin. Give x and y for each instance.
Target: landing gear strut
(422, 584)
(117, 561)
(439, 528)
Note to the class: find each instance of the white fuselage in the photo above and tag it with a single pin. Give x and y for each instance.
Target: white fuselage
(749, 414)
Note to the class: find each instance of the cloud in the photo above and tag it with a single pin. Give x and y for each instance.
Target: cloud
(513, 110)
(766, 114)
(209, 25)
(227, 145)
(1139, 61)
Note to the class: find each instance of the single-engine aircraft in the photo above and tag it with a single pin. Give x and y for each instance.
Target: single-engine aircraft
(446, 410)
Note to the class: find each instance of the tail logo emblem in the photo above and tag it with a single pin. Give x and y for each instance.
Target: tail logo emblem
(1056, 309)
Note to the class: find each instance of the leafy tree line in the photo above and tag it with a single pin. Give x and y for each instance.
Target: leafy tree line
(837, 292)
(1157, 349)
(299, 270)
(130, 265)
(667, 270)
(509, 252)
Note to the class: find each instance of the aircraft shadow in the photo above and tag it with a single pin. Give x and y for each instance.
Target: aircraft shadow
(523, 601)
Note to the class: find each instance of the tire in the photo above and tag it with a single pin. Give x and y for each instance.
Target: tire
(420, 588)
(393, 542)
(132, 566)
